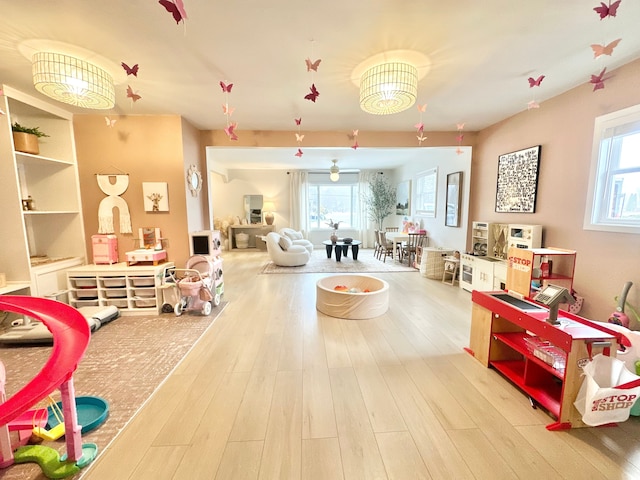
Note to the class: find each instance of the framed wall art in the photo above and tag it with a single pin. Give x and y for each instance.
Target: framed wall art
(403, 198)
(156, 196)
(518, 181)
(454, 195)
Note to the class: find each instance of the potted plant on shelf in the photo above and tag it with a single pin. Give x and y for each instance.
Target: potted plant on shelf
(25, 139)
(380, 200)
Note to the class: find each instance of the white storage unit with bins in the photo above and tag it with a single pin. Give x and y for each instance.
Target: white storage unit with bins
(135, 290)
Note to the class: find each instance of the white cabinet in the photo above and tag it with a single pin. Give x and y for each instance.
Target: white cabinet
(40, 243)
(135, 290)
(481, 273)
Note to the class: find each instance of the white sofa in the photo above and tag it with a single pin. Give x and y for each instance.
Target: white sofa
(297, 238)
(283, 252)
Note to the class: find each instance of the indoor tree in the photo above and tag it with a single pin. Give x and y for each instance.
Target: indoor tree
(380, 200)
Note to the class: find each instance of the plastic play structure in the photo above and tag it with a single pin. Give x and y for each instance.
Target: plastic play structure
(71, 336)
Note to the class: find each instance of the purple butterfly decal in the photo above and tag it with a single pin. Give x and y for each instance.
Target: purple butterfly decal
(298, 120)
(598, 80)
(605, 10)
(172, 8)
(226, 88)
(535, 82)
(313, 95)
(130, 70)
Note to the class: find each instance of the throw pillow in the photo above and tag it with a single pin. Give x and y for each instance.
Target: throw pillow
(284, 243)
(296, 236)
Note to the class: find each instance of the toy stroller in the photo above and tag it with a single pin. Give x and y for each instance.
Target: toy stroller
(195, 284)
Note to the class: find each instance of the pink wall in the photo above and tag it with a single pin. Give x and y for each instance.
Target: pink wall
(563, 126)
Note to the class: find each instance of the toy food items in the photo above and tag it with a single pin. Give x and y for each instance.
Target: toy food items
(341, 288)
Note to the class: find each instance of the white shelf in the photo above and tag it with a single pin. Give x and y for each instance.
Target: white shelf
(54, 228)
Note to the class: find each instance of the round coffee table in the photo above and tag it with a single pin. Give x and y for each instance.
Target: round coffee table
(341, 248)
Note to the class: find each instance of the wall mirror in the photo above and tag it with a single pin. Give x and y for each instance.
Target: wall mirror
(253, 208)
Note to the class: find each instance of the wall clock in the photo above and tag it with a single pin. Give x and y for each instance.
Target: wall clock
(194, 180)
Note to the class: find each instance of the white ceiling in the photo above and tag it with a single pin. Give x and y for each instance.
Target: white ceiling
(481, 54)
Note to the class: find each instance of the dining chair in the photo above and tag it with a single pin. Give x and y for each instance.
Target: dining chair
(410, 248)
(386, 247)
(376, 245)
(391, 229)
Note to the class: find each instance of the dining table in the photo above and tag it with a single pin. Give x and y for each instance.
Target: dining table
(396, 238)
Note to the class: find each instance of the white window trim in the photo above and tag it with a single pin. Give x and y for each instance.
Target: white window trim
(602, 123)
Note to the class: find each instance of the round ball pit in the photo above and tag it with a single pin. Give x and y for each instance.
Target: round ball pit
(350, 305)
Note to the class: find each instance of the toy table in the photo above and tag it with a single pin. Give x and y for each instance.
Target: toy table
(146, 255)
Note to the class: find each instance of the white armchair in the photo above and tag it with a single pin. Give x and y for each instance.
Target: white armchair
(297, 238)
(284, 253)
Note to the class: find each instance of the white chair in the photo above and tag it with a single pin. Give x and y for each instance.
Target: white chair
(297, 238)
(284, 253)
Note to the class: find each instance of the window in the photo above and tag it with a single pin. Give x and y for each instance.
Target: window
(425, 196)
(333, 201)
(613, 198)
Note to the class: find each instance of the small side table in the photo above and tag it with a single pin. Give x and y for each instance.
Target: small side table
(451, 266)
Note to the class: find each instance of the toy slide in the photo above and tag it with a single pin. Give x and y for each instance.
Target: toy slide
(70, 340)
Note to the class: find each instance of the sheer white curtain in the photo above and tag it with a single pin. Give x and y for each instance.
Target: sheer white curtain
(299, 206)
(365, 232)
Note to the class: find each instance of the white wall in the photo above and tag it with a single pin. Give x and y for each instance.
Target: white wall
(447, 161)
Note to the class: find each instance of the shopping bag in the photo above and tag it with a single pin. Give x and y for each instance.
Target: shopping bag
(608, 391)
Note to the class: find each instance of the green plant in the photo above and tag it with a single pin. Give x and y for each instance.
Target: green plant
(380, 200)
(16, 127)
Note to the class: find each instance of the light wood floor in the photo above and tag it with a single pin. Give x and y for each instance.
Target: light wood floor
(276, 390)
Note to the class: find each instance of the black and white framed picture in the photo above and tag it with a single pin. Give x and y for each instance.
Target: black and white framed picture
(518, 181)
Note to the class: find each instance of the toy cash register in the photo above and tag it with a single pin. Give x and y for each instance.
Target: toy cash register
(552, 296)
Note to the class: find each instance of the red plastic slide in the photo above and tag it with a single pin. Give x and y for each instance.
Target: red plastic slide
(70, 340)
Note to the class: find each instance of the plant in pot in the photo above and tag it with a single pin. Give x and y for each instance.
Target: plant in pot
(380, 200)
(25, 139)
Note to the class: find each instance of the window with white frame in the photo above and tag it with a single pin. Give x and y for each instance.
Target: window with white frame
(333, 201)
(613, 198)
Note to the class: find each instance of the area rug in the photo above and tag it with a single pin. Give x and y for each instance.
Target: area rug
(126, 361)
(319, 263)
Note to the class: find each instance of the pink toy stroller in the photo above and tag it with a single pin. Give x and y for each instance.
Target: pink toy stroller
(195, 284)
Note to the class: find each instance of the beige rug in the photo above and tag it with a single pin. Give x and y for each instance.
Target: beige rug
(126, 361)
(319, 263)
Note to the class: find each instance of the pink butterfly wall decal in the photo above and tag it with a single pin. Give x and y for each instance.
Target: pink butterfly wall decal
(598, 80)
(419, 126)
(298, 121)
(313, 95)
(355, 145)
(312, 65)
(172, 8)
(422, 108)
(226, 88)
(180, 7)
(535, 82)
(460, 137)
(132, 95)
(532, 104)
(227, 110)
(604, 49)
(298, 153)
(460, 126)
(130, 70)
(459, 151)
(230, 131)
(605, 10)
(110, 122)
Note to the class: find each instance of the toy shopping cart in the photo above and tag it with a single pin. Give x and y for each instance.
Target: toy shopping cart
(196, 285)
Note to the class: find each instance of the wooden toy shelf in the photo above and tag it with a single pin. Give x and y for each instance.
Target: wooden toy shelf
(501, 331)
